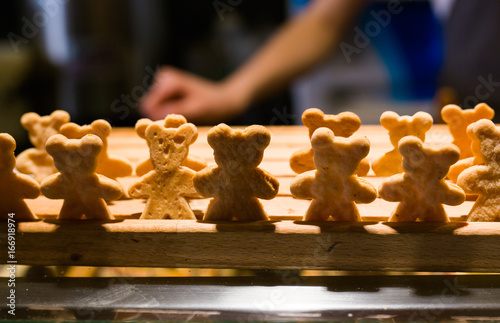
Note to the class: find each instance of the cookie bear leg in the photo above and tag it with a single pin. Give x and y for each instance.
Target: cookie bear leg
(154, 210)
(404, 213)
(219, 210)
(434, 213)
(70, 210)
(485, 210)
(346, 212)
(182, 210)
(252, 210)
(97, 210)
(318, 211)
(20, 210)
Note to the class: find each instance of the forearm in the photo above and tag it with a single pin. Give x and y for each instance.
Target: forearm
(297, 47)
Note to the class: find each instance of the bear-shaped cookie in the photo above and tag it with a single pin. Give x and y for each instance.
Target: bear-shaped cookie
(333, 186)
(171, 121)
(168, 184)
(77, 183)
(484, 179)
(236, 182)
(35, 160)
(14, 187)
(421, 190)
(108, 165)
(343, 124)
(458, 120)
(399, 127)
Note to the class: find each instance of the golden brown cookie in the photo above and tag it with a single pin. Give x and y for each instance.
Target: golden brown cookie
(14, 187)
(36, 161)
(421, 190)
(333, 187)
(168, 184)
(108, 165)
(171, 121)
(343, 124)
(399, 127)
(484, 179)
(236, 182)
(458, 120)
(77, 183)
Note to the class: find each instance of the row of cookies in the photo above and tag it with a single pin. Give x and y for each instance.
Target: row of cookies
(103, 129)
(345, 124)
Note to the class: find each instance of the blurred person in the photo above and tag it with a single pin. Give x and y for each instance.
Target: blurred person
(309, 38)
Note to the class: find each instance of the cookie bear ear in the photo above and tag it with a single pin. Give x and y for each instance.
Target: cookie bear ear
(7, 143)
(90, 146)
(452, 114)
(101, 127)
(219, 133)
(322, 137)
(389, 119)
(349, 123)
(153, 130)
(411, 147)
(29, 119)
(186, 134)
(56, 144)
(447, 155)
(312, 116)
(59, 118)
(483, 129)
(484, 111)
(257, 136)
(141, 125)
(174, 121)
(70, 130)
(423, 119)
(359, 146)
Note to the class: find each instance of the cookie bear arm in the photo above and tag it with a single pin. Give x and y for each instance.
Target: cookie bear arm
(188, 189)
(453, 194)
(207, 181)
(109, 189)
(301, 186)
(266, 186)
(363, 191)
(29, 187)
(142, 188)
(53, 187)
(392, 189)
(473, 179)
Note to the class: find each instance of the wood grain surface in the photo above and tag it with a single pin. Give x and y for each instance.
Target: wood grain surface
(284, 242)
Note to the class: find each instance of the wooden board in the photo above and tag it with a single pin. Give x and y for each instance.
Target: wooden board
(284, 242)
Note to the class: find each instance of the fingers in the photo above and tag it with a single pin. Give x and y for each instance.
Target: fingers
(169, 85)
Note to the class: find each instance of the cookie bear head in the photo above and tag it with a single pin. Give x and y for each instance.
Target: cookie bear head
(402, 126)
(41, 128)
(424, 161)
(343, 124)
(170, 121)
(99, 127)
(238, 149)
(337, 154)
(485, 138)
(7, 158)
(457, 118)
(75, 156)
(169, 146)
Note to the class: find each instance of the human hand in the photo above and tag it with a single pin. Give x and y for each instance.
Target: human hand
(199, 100)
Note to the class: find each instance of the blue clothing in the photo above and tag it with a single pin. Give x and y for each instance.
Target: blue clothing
(411, 46)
